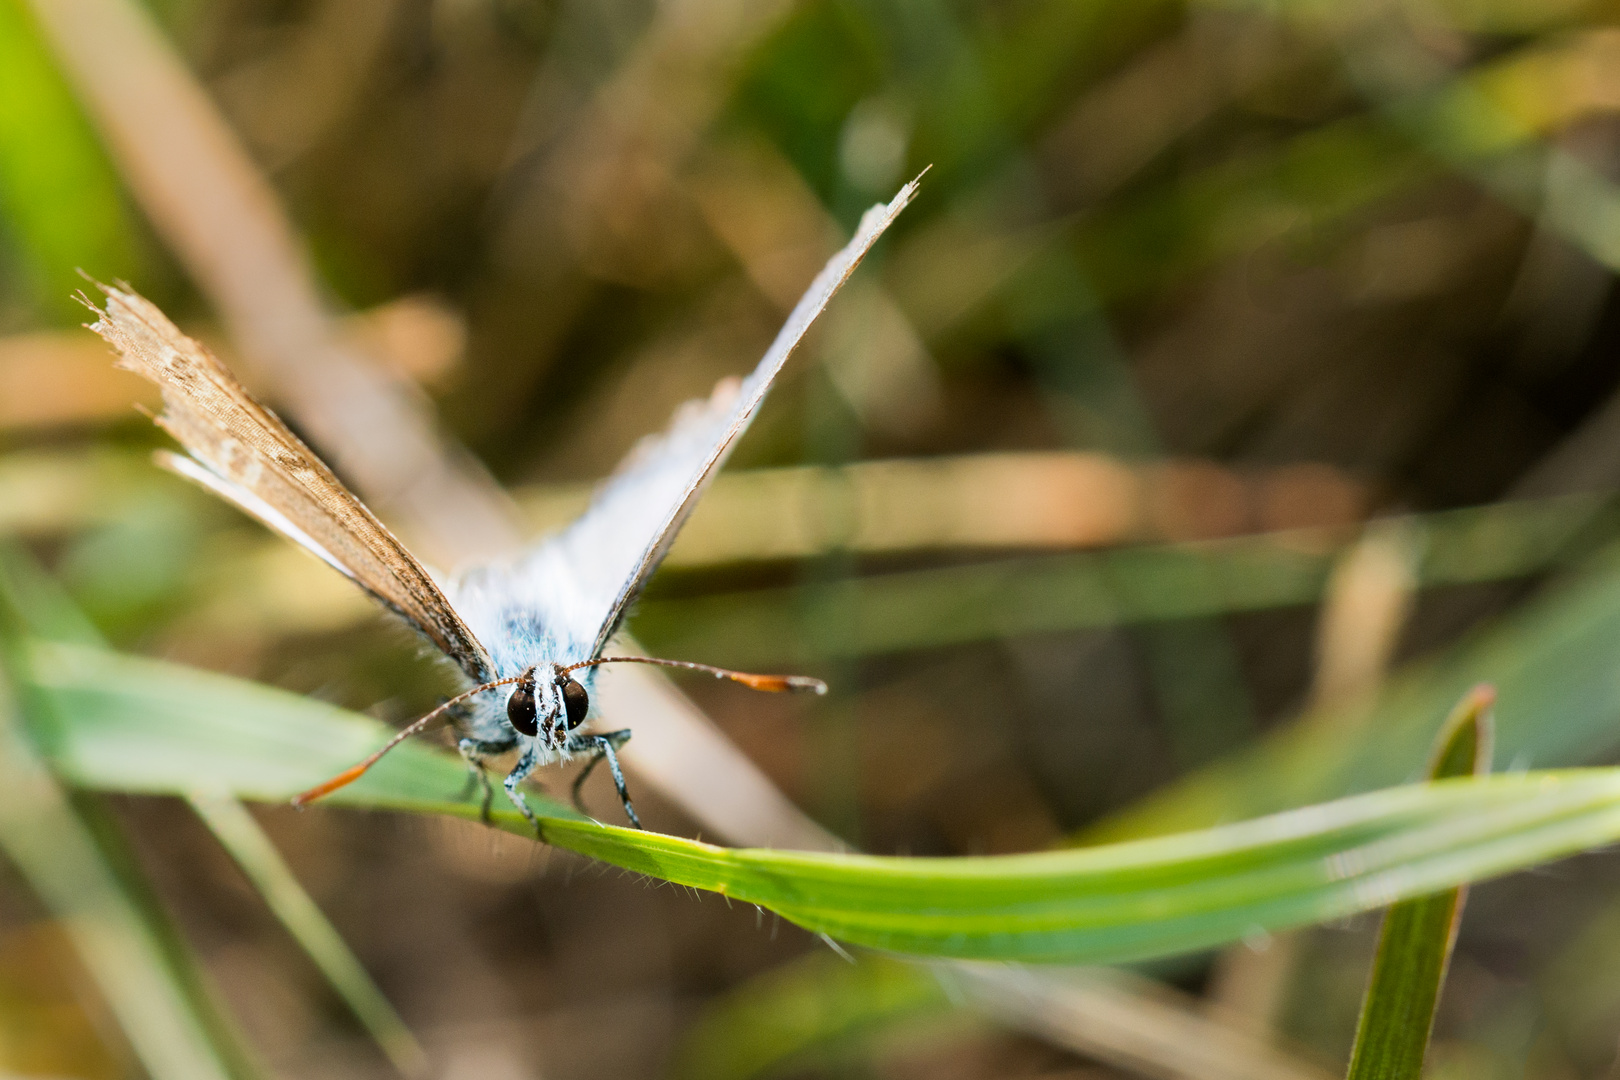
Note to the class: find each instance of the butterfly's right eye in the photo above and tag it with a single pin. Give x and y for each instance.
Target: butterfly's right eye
(520, 708)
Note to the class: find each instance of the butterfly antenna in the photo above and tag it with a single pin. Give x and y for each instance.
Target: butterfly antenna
(773, 684)
(350, 775)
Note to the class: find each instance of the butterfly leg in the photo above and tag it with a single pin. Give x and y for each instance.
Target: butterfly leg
(476, 774)
(525, 765)
(599, 747)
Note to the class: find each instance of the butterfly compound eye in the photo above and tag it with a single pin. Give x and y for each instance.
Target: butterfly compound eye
(520, 708)
(576, 701)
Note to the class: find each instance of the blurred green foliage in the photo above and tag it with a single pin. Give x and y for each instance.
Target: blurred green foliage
(60, 201)
(1221, 236)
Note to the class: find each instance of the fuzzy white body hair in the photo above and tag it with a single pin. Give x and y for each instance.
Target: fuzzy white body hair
(535, 613)
(553, 604)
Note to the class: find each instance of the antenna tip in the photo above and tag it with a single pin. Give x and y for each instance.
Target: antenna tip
(776, 684)
(347, 776)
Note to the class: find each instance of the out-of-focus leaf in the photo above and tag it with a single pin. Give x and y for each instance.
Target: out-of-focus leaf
(1489, 125)
(202, 995)
(951, 605)
(1552, 662)
(817, 1007)
(1159, 237)
(804, 1006)
(141, 725)
(57, 854)
(1415, 941)
(1482, 122)
(35, 601)
(31, 603)
(235, 828)
(58, 195)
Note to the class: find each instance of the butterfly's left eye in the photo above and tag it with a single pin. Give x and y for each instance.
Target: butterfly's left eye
(520, 708)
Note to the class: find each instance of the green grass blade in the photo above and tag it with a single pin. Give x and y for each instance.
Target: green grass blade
(49, 843)
(240, 835)
(142, 725)
(31, 603)
(1463, 747)
(1416, 939)
(202, 995)
(34, 600)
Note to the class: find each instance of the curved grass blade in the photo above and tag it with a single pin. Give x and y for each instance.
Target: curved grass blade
(1415, 942)
(140, 725)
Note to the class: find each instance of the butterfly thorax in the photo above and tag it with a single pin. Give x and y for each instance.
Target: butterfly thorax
(527, 613)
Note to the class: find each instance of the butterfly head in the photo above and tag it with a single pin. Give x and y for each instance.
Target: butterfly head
(548, 702)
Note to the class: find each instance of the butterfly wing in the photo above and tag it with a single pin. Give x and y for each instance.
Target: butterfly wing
(567, 597)
(242, 452)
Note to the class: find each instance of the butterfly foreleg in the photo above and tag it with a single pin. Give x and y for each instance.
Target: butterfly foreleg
(600, 747)
(525, 765)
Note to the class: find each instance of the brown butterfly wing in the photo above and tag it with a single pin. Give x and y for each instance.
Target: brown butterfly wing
(243, 452)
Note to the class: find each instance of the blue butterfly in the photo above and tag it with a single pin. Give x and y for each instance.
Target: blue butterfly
(538, 624)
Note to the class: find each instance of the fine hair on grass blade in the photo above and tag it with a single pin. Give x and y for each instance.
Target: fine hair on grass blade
(1416, 939)
(142, 725)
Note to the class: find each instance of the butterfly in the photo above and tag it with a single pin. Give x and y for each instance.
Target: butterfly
(539, 623)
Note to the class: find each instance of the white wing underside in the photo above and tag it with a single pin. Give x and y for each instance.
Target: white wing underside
(249, 503)
(564, 599)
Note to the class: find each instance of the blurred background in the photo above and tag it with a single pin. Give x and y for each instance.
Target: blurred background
(1241, 385)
